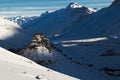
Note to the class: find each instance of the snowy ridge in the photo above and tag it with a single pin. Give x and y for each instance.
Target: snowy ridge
(75, 5)
(21, 68)
(10, 57)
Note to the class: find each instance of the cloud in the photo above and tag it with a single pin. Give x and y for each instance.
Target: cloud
(8, 12)
(29, 8)
(21, 13)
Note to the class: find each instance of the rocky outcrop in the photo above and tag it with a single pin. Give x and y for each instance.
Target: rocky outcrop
(39, 50)
(40, 40)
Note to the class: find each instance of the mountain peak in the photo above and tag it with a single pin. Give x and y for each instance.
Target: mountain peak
(116, 3)
(73, 5)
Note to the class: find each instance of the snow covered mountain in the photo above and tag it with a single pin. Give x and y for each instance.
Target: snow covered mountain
(104, 22)
(12, 34)
(60, 21)
(57, 22)
(85, 45)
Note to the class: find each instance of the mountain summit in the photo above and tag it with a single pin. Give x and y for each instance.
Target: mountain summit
(74, 5)
(116, 3)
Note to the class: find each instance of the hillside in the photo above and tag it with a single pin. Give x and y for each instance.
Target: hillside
(14, 67)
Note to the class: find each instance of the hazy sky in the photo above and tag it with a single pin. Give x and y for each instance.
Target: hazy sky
(36, 7)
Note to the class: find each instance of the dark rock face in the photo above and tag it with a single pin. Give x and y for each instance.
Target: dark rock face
(116, 3)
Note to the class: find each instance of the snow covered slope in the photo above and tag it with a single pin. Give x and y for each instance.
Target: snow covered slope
(14, 67)
(12, 35)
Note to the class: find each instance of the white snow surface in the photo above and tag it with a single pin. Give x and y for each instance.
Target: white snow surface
(15, 67)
